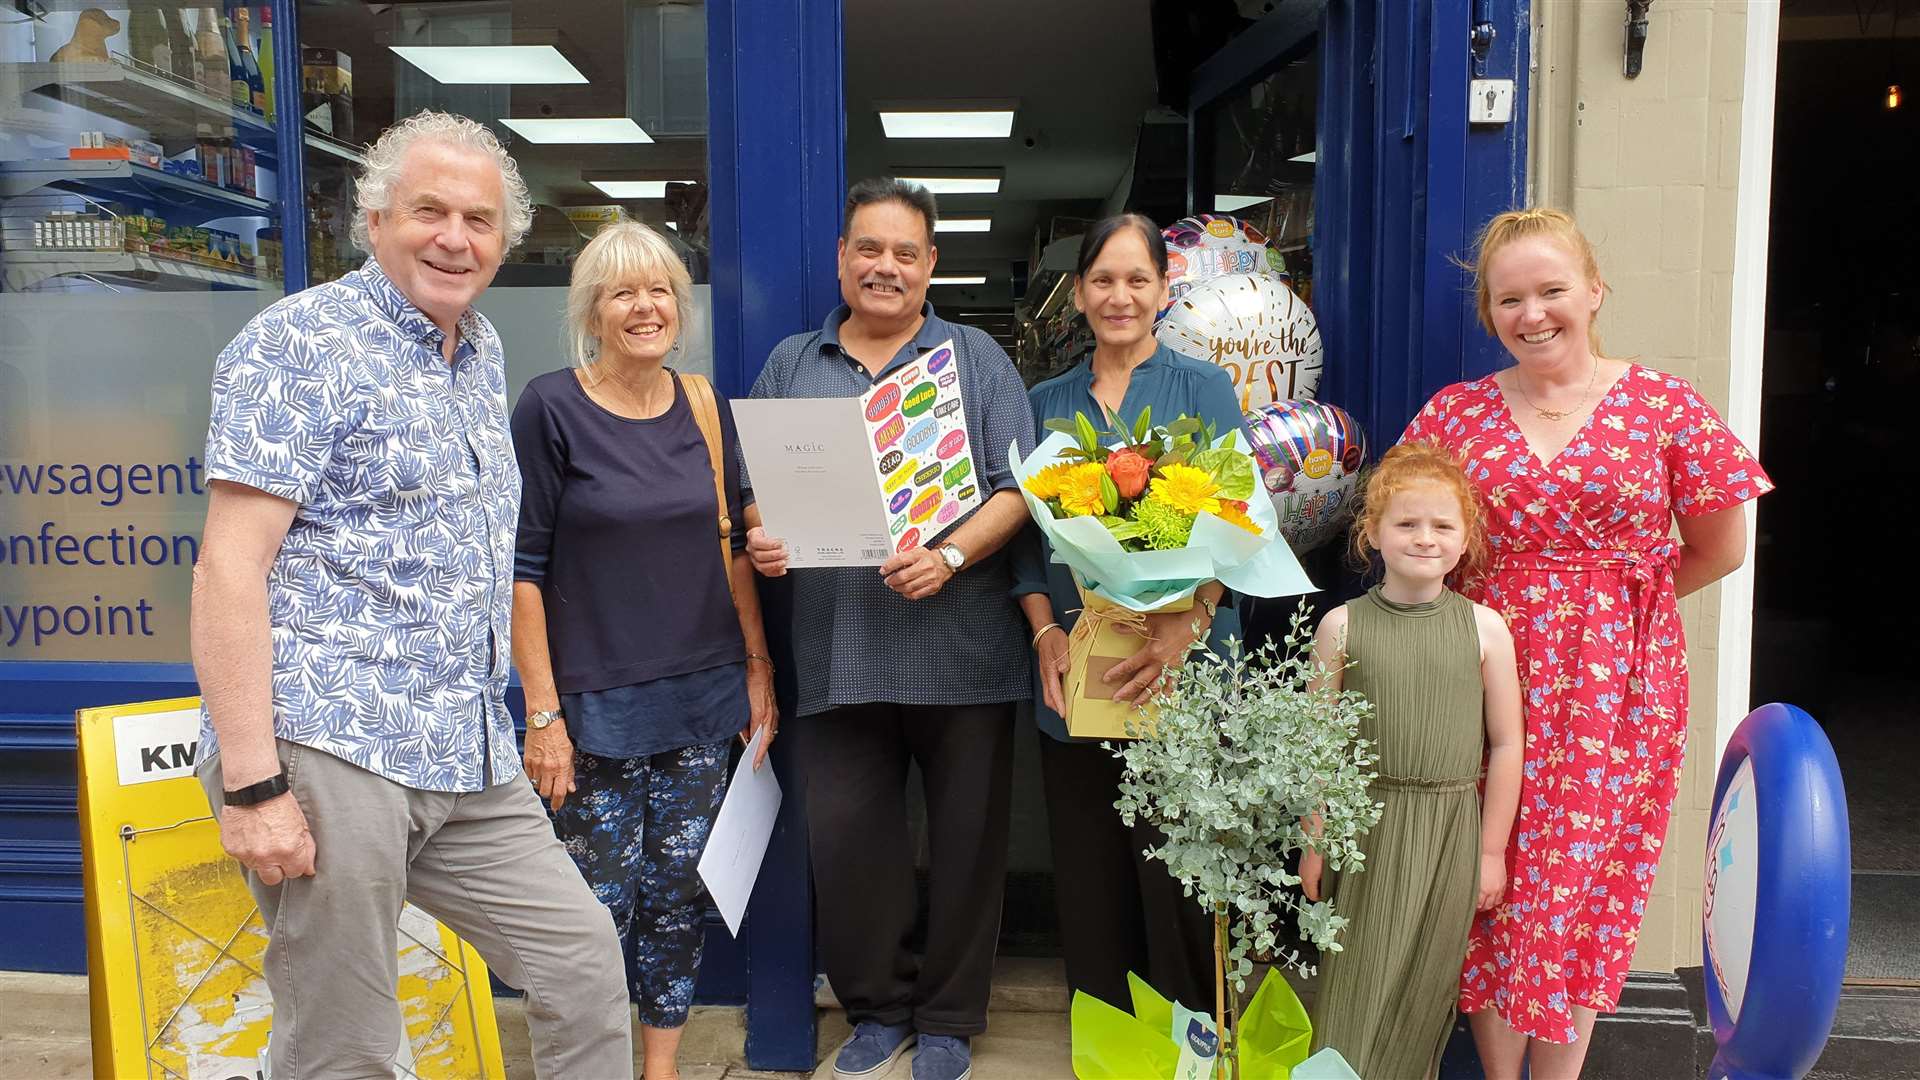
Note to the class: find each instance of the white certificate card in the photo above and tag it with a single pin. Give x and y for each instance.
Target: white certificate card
(850, 481)
(813, 479)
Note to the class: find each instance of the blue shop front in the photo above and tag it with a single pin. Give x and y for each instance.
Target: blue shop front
(167, 171)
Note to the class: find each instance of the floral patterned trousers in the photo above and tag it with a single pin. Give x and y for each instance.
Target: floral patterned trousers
(636, 828)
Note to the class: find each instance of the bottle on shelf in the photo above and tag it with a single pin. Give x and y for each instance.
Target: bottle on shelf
(319, 238)
(266, 59)
(211, 51)
(326, 80)
(179, 45)
(238, 91)
(147, 38)
(256, 100)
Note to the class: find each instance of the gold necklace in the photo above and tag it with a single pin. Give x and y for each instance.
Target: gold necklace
(1552, 415)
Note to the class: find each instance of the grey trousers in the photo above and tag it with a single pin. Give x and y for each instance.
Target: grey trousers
(485, 863)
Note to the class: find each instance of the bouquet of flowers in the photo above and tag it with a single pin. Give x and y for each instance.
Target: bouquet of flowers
(1149, 490)
(1144, 515)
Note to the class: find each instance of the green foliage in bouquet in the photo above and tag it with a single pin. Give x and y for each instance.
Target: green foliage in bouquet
(1244, 748)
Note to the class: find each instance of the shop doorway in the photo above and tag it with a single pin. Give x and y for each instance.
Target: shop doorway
(1102, 124)
(1832, 612)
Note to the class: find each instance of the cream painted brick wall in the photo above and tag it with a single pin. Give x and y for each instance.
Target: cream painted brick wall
(1650, 168)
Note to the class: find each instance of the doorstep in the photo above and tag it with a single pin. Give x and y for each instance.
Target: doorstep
(1027, 1034)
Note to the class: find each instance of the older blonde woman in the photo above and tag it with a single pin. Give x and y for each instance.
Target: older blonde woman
(639, 656)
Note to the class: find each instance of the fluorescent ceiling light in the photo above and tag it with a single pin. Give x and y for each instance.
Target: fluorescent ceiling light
(971, 124)
(1309, 157)
(611, 129)
(637, 189)
(1227, 204)
(963, 224)
(453, 64)
(957, 185)
(958, 279)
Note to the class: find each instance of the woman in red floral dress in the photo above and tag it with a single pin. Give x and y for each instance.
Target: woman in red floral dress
(1585, 463)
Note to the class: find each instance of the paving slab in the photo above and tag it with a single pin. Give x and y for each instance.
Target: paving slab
(1017, 1046)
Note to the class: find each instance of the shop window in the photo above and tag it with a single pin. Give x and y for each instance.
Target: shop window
(138, 233)
(636, 67)
(1257, 161)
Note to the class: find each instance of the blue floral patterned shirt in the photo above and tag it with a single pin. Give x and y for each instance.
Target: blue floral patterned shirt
(391, 598)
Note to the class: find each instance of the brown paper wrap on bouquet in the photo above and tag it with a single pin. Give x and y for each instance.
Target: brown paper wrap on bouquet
(1105, 635)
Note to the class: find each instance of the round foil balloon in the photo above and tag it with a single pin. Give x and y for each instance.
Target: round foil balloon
(1309, 455)
(1257, 329)
(1208, 246)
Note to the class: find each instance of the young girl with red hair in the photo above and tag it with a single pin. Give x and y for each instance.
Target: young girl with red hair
(1439, 672)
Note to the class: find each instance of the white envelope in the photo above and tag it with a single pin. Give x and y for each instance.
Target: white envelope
(738, 842)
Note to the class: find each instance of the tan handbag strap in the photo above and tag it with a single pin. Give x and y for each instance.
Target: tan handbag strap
(706, 413)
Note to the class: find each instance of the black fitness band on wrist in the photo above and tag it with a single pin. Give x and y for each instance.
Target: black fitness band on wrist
(271, 788)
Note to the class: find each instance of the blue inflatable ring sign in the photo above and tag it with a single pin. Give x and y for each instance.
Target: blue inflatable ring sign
(1778, 893)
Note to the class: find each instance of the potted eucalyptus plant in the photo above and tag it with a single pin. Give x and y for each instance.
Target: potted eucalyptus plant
(1244, 751)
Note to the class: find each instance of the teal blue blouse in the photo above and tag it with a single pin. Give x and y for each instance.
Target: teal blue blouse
(1171, 385)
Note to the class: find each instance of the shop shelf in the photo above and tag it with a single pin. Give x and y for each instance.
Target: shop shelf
(151, 100)
(352, 155)
(25, 269)
(127, 179)
(118, 5)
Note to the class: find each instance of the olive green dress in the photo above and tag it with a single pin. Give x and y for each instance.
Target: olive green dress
(1386, 1001)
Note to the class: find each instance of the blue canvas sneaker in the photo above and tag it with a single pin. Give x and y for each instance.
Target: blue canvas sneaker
(942, 1057)
(871, 1049)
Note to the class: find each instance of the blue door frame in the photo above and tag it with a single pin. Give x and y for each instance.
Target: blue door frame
(1402, 184)
(1402, 187)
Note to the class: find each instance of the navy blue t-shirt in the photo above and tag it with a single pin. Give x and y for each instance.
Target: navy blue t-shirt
(619, 528)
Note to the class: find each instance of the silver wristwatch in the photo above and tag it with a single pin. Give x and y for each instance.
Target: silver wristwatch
(953, 557)
(538, 721)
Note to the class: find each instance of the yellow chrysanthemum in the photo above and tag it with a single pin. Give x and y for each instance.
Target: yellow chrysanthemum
(1080, 489)
(1045, 484)
(1186, 489)
(1231, 513)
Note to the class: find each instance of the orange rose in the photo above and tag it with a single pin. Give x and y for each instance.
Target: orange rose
(1129, 472)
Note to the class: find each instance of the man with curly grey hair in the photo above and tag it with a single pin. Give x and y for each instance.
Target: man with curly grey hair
(351, 609)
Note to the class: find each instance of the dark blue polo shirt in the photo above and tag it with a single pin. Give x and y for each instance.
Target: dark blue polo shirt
(857, 641)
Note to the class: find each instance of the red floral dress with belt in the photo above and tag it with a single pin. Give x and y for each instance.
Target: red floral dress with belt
(1582, 569)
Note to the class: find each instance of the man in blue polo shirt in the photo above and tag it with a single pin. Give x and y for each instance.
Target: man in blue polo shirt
(921, 661)
(351, 609)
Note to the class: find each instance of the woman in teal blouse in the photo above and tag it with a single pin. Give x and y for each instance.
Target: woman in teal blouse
(1118, 911)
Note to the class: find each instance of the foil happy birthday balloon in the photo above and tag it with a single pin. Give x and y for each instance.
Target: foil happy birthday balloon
(1309, 455)
(1208, 246)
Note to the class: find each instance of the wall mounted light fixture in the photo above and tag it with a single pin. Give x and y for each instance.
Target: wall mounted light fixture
(1636, 43)
(1893, 51)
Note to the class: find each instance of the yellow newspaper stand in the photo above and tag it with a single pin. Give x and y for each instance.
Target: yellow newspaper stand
(175, 946)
